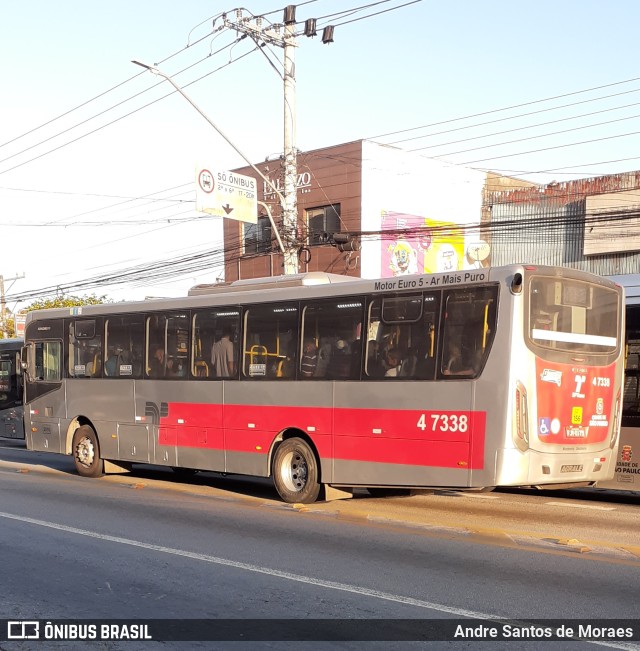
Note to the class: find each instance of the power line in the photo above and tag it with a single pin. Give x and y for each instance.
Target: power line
(103, 93)
(542, 135)
(528, 126)
(535, 151)
(126, 115)
(506, 108)
(159, 271)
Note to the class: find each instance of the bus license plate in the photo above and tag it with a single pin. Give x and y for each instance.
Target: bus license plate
(571, 468)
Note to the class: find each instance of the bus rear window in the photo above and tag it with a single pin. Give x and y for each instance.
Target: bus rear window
(572, 315)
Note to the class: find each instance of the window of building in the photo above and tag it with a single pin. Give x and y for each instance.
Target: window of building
(257, 237)
(323, 221)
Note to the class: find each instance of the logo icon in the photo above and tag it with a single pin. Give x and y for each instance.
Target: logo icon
(580, 380)
(626, 453)
(550, 375)
(23, 630)
(599, 406)
(544, 427)
(576, 415)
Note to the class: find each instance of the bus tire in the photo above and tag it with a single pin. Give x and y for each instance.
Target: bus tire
(86, 452)
(295, 472)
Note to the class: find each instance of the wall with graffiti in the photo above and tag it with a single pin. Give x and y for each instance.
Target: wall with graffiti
(418, 215)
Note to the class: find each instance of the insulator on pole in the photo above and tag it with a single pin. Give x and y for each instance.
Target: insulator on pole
(327, 34)
(289, 14)
(310, 27)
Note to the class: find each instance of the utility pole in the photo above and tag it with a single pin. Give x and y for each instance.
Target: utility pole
(290, 209)
(3, 320)
(271, 35)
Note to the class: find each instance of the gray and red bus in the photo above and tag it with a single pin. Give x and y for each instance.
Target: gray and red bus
(506, 376)
(11, 389)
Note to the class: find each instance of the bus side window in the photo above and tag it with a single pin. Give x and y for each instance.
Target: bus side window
(469, 324)
(85, 348)
(336, 326)
(123, 340)
(271, 342)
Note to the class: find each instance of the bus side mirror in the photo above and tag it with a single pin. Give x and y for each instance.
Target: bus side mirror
(24, 361)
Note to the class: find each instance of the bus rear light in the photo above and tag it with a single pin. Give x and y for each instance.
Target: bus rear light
(616, 423)
(521, 418)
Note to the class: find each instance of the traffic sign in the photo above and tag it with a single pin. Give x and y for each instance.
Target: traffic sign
(227, 194)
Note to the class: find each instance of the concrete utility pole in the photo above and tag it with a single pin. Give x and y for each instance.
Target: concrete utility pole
(3, 321)
(271, 35)
(290, 209)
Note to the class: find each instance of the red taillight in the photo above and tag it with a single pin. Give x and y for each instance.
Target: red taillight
(521, 418)
(616, 422)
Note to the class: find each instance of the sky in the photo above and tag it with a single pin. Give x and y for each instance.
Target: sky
(97, 166)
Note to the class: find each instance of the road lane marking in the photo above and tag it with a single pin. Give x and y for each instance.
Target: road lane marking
(289, 576)
(472, 495)
(249, 567)
(582, 506)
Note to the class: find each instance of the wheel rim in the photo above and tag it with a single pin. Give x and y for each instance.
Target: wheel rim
(294, 471)
(85, 452)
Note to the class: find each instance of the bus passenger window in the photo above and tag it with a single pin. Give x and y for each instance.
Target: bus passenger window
(271, 342)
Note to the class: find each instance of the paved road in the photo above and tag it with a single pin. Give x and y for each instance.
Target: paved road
(147, 546)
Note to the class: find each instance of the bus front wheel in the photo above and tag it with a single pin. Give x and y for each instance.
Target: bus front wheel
(295, 472)
(86, 453)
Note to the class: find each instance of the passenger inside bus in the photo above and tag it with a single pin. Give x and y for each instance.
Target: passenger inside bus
(111, 365)
(340, 360)
(458, 363)
(309, 360)
(223, 355)
(392, 362)
(324, 355)
(156, 363)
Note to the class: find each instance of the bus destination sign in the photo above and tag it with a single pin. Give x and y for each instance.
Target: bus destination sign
(437, 280)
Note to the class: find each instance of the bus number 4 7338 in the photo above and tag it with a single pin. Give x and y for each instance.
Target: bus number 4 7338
(444, 422)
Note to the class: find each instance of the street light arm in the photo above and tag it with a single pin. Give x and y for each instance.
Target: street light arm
(158, 72)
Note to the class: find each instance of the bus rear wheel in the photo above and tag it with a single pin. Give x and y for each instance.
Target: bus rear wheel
(295, 472)
(86, 453)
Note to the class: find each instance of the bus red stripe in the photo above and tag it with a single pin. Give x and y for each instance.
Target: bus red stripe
(452, 439)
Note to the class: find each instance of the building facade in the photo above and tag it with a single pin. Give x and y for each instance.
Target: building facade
(367, 210)
(591, 224)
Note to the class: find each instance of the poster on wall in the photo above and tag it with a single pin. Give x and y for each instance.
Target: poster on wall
(414, 244)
